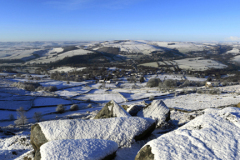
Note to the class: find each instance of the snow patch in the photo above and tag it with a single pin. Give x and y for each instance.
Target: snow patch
(121, 130)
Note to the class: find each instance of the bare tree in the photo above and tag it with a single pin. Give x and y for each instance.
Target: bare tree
(21, 118)
(37, 116)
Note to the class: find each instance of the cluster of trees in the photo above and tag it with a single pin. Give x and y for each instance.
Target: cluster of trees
(209, 91)
(22, 119)
(167, 84)
(33, 86)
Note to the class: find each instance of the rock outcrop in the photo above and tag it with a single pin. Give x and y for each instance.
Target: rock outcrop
(145, 154)
(112, 109)
(123, 130)
(84, 149)
(213, 135)
(133, 109)
(157, 110)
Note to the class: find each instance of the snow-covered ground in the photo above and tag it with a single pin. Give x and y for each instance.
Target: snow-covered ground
(62, 84)
(214, 135)
(25, 54)
(132, 46)
(66, 69)
(102, 98)
(236, 58)
(196, 101)
(85, 93)
(183, 47)
(163, 77)
(57, 57)
(234, 51)
(12, 147)
(199, 64)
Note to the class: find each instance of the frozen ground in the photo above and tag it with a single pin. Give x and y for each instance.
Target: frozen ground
(57, 57)
(199, 64)
(83, 95)
(236, 58)
(66, 69)
(214, 135)
(102, 98)
(174, 77)
(196, 101)
(132, 46)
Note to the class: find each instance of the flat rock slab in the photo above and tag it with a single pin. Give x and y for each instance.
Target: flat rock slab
(123, 131)
(82, 149)
(213, 135)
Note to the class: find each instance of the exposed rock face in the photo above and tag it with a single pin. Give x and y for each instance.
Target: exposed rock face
(112, 109)
(123, 130)
(135, 108)
(157, 111)
(238, 105)
(145, 154)
(37, 139)
(92, 149)
(213, 135)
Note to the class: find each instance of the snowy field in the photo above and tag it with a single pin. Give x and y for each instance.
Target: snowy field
(66, 69)
(174, 77)
(183, 47)
(90, 98)
(25, 54)
(234, 51)
(138, 96)
(102, 98)
(199, 64)
(57, 57)
(62, 84)
(192, 102)
(195, 64)
(236, 59)
(47, 101)
(132, 46)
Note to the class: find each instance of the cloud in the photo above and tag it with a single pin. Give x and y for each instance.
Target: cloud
(232, 38)
(80, 4)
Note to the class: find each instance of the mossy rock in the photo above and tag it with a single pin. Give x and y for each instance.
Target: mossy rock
(238, 105)
(110, 110)
(37, 139)
(145, 153)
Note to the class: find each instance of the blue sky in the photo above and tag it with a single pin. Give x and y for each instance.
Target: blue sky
(84, 20)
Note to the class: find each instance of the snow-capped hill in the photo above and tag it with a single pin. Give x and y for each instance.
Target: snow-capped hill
(129, 46)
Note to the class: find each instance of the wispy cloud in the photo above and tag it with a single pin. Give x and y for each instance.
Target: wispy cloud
(79, 4)
(232, 38)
